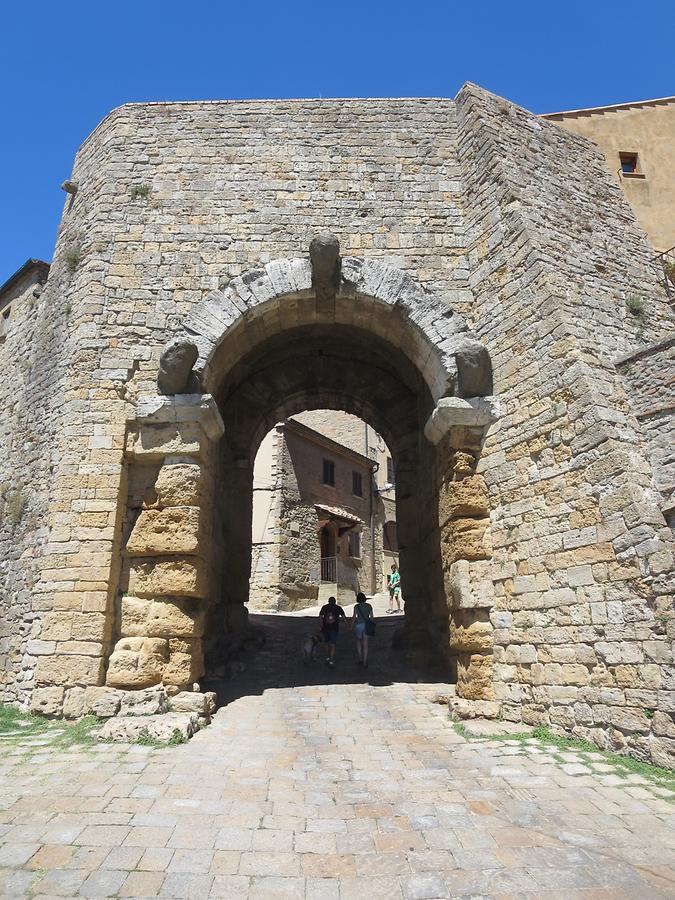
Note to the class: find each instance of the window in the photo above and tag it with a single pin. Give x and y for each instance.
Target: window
(390, 470)
(354, 544)
(357, 484)
(390, 537)
(329, 472)
(629, 163)
(4, 322)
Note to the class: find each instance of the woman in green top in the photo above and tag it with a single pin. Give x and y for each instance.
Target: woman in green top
(394, 585)
(363, 612)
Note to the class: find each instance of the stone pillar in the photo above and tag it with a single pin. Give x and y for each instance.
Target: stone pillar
(161, 616)
(457, 427)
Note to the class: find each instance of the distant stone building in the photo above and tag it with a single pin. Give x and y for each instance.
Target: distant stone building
(324, 515)
(638, 142)
(463, 275)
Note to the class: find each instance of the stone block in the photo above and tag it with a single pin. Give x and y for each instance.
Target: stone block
(185, 665)
(137, 662)
(103, 702)
(47, 701)
(463, 710)
(466, 539)
(630, 720)
(467, 497)
(165, 531)
(474, 677)
(179, 577)
(74, 704)
(128, 729)
(134, 617)
(91, 627)
(57, 626)
(178, 484)
(149, 702)
(662, 752)
(175, 618)
(471, 636)
(664, 725)
(69, 670)
(40, 648)
(191, 701)
(156, 442)
(467, 585)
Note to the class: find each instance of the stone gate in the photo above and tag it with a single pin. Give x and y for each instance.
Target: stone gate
(457, 273)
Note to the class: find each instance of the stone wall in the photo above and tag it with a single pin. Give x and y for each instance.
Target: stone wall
(497, 215)
(649, 375)
(582, 567)
(33, 359)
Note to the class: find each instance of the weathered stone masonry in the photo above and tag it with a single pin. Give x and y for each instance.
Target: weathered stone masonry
(543, 544)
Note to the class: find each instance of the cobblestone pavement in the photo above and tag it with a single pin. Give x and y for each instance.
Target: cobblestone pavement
(344, 784)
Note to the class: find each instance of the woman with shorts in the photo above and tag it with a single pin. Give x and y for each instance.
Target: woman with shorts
(363, 612)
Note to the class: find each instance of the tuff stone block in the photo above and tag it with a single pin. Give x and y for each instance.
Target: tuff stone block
(166, 531)
(467, 497)
(466, 539)
(178, 484)
(137, 662)
(174, 576)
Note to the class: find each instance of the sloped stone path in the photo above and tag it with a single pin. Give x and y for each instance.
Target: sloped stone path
(330, 791)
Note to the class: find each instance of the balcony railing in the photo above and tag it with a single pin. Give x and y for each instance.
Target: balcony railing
(329, 569)
(666, 261)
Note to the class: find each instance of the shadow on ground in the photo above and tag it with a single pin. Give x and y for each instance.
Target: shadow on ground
(278, 662)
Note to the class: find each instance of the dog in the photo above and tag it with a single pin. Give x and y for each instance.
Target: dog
(309, 647)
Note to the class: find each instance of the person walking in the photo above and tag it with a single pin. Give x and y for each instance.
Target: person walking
(330, 616)
(394, 585)
(364, 625)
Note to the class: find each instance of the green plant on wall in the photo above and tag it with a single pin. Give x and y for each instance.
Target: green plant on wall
(72, 257)
(15, 506)
(139, 191)
(636, 307)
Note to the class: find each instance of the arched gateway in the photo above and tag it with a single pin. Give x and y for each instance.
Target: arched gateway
(125, 472)
(349, 334)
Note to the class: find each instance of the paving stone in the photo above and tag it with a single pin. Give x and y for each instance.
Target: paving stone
(104, 883)
(17, 854)
(185, 886)
(276, 888)
(155, 859)
(424, 887)
(228, 887)
(322, 889)
(193, 862)
(142, 884)
(364, 802)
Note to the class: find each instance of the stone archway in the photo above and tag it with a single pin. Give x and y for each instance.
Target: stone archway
(348, 334)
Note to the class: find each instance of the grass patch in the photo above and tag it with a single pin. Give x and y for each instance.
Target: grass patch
(177, 737)
(623, 765)
(15, 725)
(144, 740)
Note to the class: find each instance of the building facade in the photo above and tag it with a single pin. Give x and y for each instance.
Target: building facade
(478, 279)
(319, 520)
(638, 143)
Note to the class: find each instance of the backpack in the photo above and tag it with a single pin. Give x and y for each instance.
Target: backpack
(331, 616)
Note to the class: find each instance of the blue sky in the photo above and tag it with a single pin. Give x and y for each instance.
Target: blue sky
(64, 65)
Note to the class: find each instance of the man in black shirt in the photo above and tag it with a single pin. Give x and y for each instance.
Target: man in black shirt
(330, 616)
